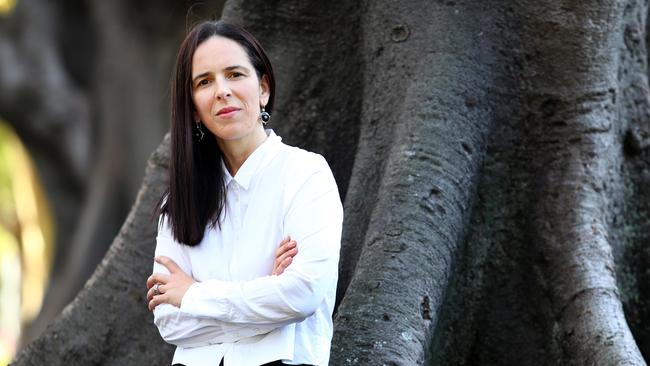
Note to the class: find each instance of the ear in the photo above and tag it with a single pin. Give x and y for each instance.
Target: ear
(265, 91)
(195, 116)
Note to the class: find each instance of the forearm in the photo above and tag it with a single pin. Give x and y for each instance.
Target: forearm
(272, 300)
(313, 217)
(188, 330)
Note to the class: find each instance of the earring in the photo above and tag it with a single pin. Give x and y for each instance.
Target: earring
(199, 131)
(265, 116)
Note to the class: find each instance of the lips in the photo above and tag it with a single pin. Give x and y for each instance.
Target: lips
(226, 110)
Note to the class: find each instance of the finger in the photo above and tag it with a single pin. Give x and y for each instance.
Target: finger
(150, 295)
(285, 263)
(282, 245)
(152, 304)
(157, 278)
(281, 263)
(168, 263)
(151, 281)
(289, 253)
(155, 290)
(284, 248)
(155, 301)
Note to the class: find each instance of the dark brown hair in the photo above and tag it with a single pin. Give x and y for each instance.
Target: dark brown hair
(196, 194)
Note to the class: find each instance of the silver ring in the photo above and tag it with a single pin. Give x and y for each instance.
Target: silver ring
(155, 289)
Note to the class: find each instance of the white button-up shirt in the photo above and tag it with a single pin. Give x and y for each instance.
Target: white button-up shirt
(237, 310)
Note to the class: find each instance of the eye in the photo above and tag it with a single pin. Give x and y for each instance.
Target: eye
(203, 82)
(236, 75)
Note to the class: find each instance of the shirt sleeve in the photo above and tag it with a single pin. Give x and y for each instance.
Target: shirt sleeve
(314, 219)
(184, 329)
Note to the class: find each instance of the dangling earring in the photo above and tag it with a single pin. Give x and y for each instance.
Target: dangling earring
(265, 116)
(199, 131)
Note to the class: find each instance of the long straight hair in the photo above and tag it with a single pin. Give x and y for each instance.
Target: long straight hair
(196, 193)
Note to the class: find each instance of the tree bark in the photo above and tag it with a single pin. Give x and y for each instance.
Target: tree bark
(494, 164)
(430, 102)
(539, 273)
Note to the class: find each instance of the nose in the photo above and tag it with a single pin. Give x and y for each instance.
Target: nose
(222, 91)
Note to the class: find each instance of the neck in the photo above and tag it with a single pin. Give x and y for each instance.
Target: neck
(235, 152)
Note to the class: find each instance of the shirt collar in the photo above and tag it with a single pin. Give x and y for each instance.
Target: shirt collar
(257, 160)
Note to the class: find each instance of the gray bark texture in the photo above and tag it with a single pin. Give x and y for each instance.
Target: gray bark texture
(493, 158)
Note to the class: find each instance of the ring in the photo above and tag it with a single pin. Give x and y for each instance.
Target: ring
(155, 289)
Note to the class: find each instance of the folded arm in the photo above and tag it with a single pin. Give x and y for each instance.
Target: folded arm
(314, 219)
(167, 286)
(216, 311)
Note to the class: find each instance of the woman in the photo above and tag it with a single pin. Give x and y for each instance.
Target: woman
(222, 291)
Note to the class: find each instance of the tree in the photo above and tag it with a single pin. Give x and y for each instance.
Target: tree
(494, 163)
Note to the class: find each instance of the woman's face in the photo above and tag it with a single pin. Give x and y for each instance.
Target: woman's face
(226, 91)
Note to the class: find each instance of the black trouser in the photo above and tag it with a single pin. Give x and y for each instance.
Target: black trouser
(274, 363)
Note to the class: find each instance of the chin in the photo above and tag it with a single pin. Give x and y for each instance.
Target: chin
(229, 135)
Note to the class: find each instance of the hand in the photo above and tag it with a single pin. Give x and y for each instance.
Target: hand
(284, 255)
(171, 287)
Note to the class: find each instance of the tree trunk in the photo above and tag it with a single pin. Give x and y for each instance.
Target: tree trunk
(494, 163)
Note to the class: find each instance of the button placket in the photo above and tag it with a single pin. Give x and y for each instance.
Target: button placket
(238, 215)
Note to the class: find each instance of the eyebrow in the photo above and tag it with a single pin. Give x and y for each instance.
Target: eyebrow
(229, 68)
